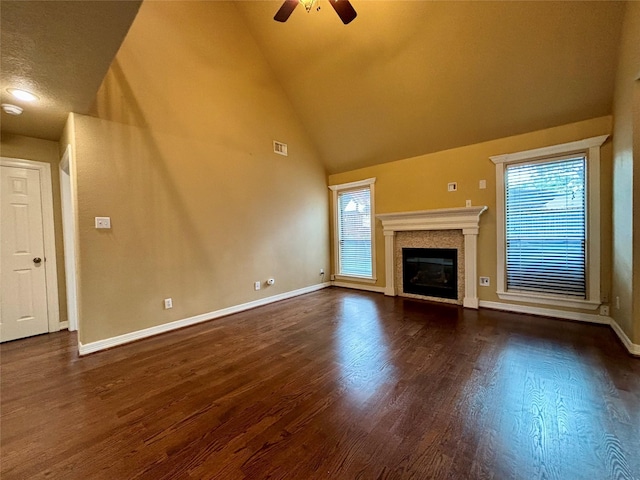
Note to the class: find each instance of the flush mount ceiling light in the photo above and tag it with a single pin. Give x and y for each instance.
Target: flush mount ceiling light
(11, 109)
(22, 95)
(343, 8)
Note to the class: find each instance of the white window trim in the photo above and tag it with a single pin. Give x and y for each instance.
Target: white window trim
(335, 189)
(590, 147)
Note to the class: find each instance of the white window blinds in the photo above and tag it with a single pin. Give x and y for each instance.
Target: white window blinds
(546, 227)
(354, 232)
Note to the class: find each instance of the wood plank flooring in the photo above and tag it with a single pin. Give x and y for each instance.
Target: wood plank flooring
(336, 384)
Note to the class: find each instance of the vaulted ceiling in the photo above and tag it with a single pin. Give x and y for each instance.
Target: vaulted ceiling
(412, 77)
(403, 79)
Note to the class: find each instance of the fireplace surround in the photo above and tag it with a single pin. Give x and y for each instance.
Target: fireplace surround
(466, 220)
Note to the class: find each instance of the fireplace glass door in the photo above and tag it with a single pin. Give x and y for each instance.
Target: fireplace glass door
(432, 272)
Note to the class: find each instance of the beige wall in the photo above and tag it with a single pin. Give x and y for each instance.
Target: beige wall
(179, 155)
(626, 178)
(636, 208)
(420, 183)
(28, 148)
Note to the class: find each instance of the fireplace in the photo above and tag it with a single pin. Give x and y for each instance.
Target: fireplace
(432, 272)
(465, 222)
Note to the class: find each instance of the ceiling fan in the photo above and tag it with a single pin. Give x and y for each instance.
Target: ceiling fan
(343, 8)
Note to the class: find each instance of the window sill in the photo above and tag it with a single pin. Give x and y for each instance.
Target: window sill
(354, 278)
(547, 299)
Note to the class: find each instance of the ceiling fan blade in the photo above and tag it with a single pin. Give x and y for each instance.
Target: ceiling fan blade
(285, 10)
(344, 10)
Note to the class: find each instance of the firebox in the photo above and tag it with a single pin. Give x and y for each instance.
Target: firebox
(432, 272)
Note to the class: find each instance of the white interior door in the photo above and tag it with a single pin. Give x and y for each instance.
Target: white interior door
(23, 287)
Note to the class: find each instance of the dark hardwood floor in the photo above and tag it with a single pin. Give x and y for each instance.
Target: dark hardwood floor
(337, 384)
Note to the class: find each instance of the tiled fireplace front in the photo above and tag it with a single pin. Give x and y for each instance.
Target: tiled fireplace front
(430, 239)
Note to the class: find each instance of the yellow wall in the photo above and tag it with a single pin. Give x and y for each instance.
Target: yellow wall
(420, 183)
(626, 178)
(179, 155)
(28, 148)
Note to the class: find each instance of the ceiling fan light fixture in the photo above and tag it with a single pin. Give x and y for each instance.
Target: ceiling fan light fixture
(308, 4)
(22, 95)
(343, 8)
(11, 109)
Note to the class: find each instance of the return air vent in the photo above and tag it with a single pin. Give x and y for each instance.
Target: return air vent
(280, 148)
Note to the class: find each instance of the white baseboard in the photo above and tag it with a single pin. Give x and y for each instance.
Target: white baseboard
(547, 312)
(93, 347)
(633, 348)
(358, 286)
(64, 325)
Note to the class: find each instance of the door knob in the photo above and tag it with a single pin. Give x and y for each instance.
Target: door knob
(37, 260)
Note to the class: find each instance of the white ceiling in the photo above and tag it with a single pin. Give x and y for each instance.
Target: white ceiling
(61, 51)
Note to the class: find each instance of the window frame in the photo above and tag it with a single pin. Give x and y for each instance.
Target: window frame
(336, 190)
(590, 149)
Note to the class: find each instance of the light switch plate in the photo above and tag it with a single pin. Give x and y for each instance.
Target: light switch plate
(103, 222)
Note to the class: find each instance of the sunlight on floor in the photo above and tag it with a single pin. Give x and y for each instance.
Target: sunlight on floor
(362, 350)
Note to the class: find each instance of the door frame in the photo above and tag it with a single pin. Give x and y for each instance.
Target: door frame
(50, 264)
(69, 236)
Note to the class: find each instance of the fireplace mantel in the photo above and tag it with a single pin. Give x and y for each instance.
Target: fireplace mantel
(466, 219)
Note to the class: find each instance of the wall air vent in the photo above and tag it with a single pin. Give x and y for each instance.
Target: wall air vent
(280, 148)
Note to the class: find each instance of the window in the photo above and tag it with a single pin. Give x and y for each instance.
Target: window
(546, 227)
(354, 246)
(548, 218)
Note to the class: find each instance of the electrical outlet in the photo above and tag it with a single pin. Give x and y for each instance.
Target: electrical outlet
(333, 277)
(256, 286)
(103, 222)
(604, 310)
(452, 187)
(168, 303)
(468, 203)
(484, 281)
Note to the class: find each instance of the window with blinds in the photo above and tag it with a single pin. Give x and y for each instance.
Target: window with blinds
(545, 227)
(354, 232)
